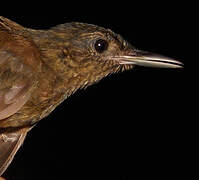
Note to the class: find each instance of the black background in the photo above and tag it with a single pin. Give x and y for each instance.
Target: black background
(133, 121)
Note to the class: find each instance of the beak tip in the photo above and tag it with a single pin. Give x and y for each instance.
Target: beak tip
(178, 65)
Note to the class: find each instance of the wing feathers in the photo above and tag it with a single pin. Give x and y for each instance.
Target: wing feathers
(9, 145)
(7, 111)
(15, 84)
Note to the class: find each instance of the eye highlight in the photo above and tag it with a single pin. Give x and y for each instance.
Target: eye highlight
(101, 45)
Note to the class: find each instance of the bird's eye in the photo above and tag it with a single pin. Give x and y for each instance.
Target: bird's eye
(101, 45)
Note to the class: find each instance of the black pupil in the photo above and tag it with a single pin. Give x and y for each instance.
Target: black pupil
(101, 45)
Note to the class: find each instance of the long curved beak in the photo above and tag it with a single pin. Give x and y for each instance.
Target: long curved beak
(143, 58)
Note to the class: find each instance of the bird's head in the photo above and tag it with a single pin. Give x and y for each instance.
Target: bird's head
(91, 52)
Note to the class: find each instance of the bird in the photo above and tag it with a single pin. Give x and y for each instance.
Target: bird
(39, 69)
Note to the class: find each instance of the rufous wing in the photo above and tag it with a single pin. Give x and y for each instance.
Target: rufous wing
(15, 84)
(19, 67)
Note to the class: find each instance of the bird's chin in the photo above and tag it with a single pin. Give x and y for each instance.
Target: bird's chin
(124, 67)
(116, 66)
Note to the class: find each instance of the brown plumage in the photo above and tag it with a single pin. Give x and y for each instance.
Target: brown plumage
(39, 69)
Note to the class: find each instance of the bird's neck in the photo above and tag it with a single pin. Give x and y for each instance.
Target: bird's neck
(60, 73)
(54, 84)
